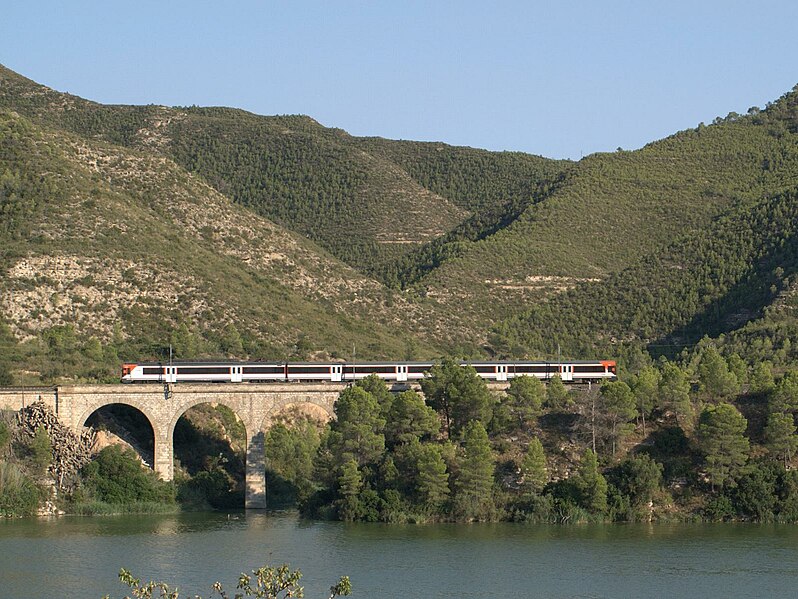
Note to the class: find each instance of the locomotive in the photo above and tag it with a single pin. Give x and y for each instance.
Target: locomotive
(338, 372)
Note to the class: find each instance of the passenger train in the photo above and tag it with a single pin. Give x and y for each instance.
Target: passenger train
(394, 372)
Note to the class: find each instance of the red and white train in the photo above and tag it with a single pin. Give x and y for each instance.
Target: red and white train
(395, 372)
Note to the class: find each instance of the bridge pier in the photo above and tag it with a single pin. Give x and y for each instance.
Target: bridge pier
(164, 455)
(255, 493)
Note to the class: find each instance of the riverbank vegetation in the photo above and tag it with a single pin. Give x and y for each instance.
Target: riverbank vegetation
(710, 439)
(707, 438)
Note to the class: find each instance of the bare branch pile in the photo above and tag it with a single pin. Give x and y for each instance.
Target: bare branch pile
(70, 451)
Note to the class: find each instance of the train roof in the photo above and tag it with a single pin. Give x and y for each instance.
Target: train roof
(375, 363)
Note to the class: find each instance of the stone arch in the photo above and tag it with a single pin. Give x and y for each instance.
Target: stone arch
(255, 481)
(194, 402)
(320, 408)
(148, 416)
(81, 421)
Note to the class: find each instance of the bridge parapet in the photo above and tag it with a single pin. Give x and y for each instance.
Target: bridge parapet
(16, 398)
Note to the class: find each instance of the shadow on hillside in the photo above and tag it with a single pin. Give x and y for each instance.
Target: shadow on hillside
(742, 303)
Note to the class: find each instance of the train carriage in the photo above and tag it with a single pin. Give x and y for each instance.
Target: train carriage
(398, 372)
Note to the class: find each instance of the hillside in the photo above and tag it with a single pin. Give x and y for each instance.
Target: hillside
(612, 208)
(229, 233)
(367, 200)
(130, 250)
(710, 282)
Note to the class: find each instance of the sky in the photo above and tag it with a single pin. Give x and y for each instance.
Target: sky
(562, 79)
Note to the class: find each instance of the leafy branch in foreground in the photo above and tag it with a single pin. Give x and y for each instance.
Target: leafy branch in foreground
(269, 583)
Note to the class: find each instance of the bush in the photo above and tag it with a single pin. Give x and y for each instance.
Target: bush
(719, 509)
(19, 496)
(117, 477)
(41, 450)
(210, 488)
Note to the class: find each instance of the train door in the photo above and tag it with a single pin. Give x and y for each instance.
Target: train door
(501, 372)
(171, 374)
(567, 372)
(336, 371)
(401, 373)
(236, 375)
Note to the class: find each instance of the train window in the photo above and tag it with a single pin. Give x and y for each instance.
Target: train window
(533, 368)
(308, 369)
(264, 370)
(153, 370)
(372, 369)
(485, 369)
(419, 369)
(203, 370)
(589, 368)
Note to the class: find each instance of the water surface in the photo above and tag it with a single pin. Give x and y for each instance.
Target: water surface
(79, 557)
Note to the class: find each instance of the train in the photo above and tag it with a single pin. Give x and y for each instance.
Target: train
(341, 372)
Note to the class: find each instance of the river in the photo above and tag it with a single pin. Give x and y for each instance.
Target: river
(79, 557)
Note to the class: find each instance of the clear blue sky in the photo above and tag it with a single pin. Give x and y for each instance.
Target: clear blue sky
(559, 78)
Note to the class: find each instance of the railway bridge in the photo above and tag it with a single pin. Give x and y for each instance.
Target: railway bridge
(255, 404)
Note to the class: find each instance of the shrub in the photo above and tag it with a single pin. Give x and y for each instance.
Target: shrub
(19, 496)
(116, 476)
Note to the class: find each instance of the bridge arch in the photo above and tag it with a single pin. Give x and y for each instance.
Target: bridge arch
(143, 443)
(88, 412)
(195, 447)
(256, 405)
(317, 409)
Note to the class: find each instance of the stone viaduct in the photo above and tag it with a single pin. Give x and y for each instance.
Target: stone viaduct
(255, 405)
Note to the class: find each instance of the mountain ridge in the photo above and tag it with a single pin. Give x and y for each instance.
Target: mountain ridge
(400, 248)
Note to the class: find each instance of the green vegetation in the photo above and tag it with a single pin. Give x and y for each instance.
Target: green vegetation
(209, 458)
(116, 481)
(687, 237)
(19, 494)
(124, 230)
(698, 286)
(266, 582)
(80, 311)
(590, 458)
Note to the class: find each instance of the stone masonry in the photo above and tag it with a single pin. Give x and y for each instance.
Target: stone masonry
(255, 405)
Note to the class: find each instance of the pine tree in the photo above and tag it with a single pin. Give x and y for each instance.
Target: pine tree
(617, 408)
(379, 389)
(646, 387)
(350, 483)
(674, 394)
(524, 398)
(762, 378)
(533, 467)
(780, 436)
(432, 483)
(474, 483)
(784, 397)
(408, 418)
(722, 440)
(591, 484)
(358, 428)
(714, 375)
(556, 394)
(459, 393)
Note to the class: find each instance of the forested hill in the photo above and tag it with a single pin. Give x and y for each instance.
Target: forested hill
(610, 209)
(710, 282)
(111, 254)
(269, 237)
(365, 201)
